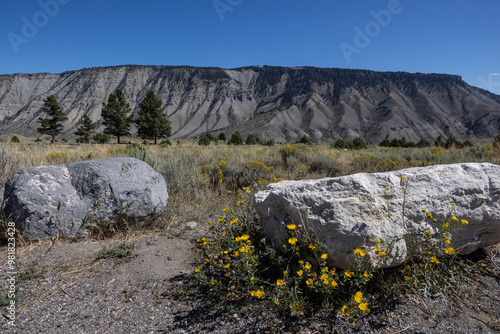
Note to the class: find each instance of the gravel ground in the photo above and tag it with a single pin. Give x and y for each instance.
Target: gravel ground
(65, 288)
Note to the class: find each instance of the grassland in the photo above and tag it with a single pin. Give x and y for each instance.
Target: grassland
(202, 180)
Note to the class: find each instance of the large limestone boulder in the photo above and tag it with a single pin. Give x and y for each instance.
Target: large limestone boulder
(351, 212)
(46, 201)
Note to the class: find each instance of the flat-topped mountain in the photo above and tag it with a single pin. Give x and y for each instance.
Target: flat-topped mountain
(279, 103)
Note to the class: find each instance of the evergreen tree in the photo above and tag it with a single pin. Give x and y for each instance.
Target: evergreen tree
(222, 136)
(235, 139)
(85, 130)
(52, 125)
(152, 123)
(115, 115)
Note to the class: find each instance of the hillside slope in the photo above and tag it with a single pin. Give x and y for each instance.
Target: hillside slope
(275, 102)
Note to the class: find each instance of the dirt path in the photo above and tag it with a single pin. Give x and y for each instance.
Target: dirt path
(73, 288)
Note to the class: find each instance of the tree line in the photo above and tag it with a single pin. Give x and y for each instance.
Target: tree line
(151, 122)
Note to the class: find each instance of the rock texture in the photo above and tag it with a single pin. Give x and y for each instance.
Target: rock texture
(57, 200)
(277, 103)
(350, 212)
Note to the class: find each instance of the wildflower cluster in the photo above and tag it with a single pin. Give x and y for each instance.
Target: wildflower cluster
(231, 258)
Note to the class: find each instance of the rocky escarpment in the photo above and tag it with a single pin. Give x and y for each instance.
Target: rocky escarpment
(275, 102)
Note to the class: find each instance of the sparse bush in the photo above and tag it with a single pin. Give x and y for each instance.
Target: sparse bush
(222, 136)
(253, 139)
(14, 139)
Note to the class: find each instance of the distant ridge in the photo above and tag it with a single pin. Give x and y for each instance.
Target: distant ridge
(279, 103)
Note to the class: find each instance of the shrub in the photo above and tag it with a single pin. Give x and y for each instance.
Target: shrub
(222, 136)
(355, 144)
(101, 138)
(304, 140)
(253, 139)
(206, 138)
(236, 139)
(268, 142)
(14, 139)
(496, 142)
(165, 142)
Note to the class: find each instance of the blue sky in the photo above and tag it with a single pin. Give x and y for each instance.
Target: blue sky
(446, 36)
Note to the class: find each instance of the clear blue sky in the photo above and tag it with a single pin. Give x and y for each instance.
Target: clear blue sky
(446, 36)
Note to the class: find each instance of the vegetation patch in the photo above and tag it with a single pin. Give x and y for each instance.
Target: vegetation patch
(123, 252)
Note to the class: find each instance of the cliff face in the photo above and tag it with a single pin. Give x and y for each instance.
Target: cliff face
(275, 102)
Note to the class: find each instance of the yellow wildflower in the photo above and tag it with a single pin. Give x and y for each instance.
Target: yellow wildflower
(382, 254)
(198, 270)
(308, 266)
(429, 214)
(345, 310)
(454, 218)
(280, 282)
(364, 307)
(423, 210)
(360, 252)
(292, 241)
(334, 284)
(309, 281)
(407, 278)
(449, 250)
(233, 221)
(366, 274)
(324, 256)
(240, 202)
(464, 222)
(285, 272)
(377, 240)
(313, 246)
(252, 278)
(291, 226)
(348, 273)
(300, 272)
(403, 177)
(259, 293)
(358, 297)
(434, 260)
(226, 209)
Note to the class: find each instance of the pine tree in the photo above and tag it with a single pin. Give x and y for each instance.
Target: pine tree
(152, 123)
(115, 115)
(52, 125)
(85, 130)
(235, 139)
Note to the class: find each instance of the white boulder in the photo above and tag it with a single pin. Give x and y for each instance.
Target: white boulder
(353, 211)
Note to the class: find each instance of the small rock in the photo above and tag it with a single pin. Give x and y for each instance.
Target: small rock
(192, 225)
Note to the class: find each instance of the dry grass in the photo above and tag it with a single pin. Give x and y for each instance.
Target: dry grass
(194, 196)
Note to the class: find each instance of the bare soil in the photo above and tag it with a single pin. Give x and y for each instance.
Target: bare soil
(65, 287)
